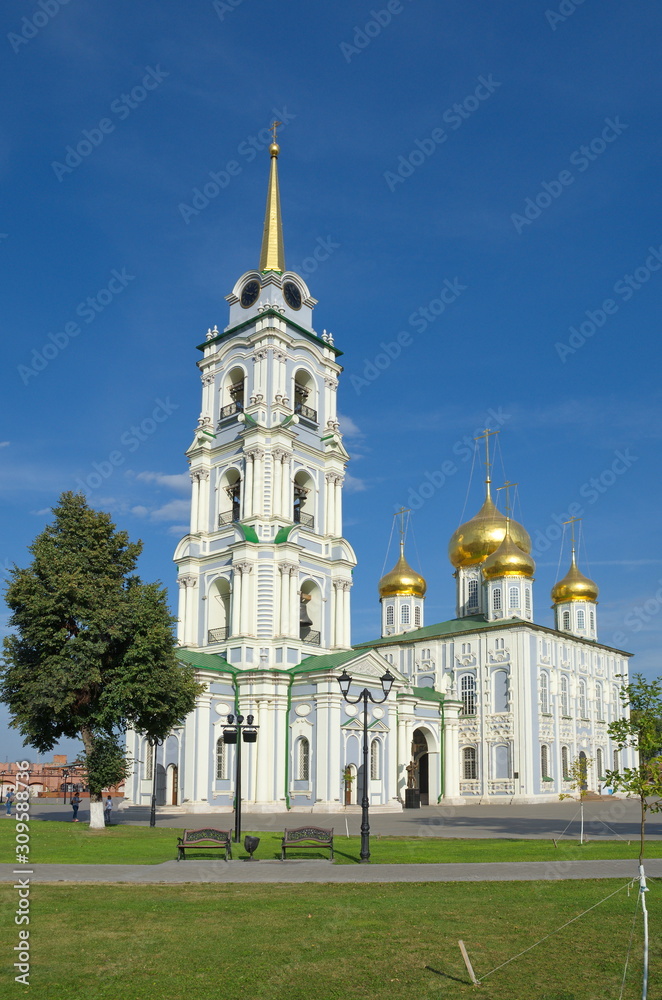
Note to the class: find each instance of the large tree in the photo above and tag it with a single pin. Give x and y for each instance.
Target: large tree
(640, 731)
(93, 651)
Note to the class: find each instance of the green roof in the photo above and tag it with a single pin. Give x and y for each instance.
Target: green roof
(327, 661)
(283, 534)
(424, 694)
(472, 623)
(206, 661)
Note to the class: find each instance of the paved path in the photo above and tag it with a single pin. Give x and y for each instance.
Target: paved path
(173, 872)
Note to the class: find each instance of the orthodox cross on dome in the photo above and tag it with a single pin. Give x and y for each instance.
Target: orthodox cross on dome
(273, 127)
(506, 486)
(571, 521)
(487, 434)
(403, 529)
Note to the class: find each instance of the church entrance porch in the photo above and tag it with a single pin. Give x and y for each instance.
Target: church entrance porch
(419, 754)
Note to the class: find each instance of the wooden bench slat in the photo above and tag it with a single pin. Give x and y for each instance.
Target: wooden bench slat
(205, 840)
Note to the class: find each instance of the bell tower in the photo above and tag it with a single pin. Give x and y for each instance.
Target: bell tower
(264, 572)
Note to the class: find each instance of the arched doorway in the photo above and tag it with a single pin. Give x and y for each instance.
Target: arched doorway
(160, 785)
(419, 754)
(583, 771)
(171, 785)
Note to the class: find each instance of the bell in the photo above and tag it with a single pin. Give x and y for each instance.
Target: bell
(304, 620)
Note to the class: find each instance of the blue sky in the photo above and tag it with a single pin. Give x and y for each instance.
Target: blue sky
(506, 156)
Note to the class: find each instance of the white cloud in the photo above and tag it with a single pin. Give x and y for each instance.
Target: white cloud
(178, 529)
(353, 484)
(181, 482)
(348, 426)
(174, 510)
(4, 444)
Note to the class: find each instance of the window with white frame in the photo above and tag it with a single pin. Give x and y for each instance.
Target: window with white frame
(591, 618)
(581, 619)
(544, 761)
(149, 761)
(500, 702)
(499, 643)
(425, 654)
(468, 694)
(583, 707)
(600, 762)
(469, 764)
(513, 597)
(502, 762)
(303, 759)
(599, 705)
(496, 599)
(221, 759)
(390, 614)
(376, 760)
(615, 758)
(544, 693)
(405, 617)
(565, 622)
(565, 696)
(527, 600)
(466, 648)
(565, 763)
(417, 615)
(472, 592)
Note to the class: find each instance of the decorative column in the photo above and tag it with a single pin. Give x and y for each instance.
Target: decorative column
(277, 456)
(264, 752)
(236, 600)
(248, 486)
(329, 507)
(188, 615)
(451, 749)
(404, 754)
(294, 602)
(195, 499)
(285, 570)
(338, 506)
(258, 481)
(259, 359)
(330, 386)
(336, 636)
(203, 500)
(287, 500)
(279, 373)
(346, 615)
(202, 748)
(181, 611)
(245, 569)
(207, 380)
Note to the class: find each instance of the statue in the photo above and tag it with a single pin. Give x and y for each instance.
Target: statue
(412, 775)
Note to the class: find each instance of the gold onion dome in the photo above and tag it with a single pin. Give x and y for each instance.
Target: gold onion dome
(478, 538)
(574, 586)
(508, 560)
(402, 581)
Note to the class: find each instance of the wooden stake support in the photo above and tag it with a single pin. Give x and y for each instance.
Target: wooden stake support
(468, 963)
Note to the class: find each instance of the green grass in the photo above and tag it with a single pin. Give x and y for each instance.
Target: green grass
(328, 942)
(69, 843)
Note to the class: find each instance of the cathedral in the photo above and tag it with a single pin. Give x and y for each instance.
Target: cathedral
(487, 706)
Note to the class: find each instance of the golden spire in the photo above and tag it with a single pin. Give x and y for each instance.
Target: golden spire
(272, 257)
(574, 586)
(487, 434)
(402, 580)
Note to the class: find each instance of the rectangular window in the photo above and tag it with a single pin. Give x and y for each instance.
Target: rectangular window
(513, 597)
(496, 599)
(390, 615)
(473, 593)
(404, 614)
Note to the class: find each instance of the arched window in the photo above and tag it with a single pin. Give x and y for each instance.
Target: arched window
(472, 591)
(599, 706)
(591, 618)
(544, 761)
(496, 599)
(581, 620)
(218, 611)
(502, 762)
(544, 693)
(390, 614)
(310, 613)
(565, 763)
(583, 707)
(468, 694)
(469, 764)
(405, 614)
(500, 691)
(149, 761)
(304, 501)
(221, 759)
(565, 696)
(417, 615)
(616, 698)
(600, 762)
(566, 620)
(229, 498)
(615, 760)
(303, 759)
(304, 395)
(513, 597)
(234, 394)
(375, 760)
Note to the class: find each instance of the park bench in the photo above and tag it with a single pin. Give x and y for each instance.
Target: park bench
(205, 840)
(312, 837)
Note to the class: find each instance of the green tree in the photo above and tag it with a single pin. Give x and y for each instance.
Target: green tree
(578, 778)
(640, 730)
(93, 651)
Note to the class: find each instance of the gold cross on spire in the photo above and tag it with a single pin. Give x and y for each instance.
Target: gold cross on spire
(571, 521)
(487, 434)
(506, 486)
(273, 127)
(401, 514)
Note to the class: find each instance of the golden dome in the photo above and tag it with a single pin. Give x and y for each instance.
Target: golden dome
(402, 581)
(482, 535)
(508, 560)
(274, 149)
(574, 586)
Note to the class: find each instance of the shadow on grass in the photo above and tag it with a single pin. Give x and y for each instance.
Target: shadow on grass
(447, 975)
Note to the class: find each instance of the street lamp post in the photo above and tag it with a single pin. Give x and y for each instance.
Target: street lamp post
(233, 732)
(65, 775)
(153, 743)
(387, 683)
(2, 784)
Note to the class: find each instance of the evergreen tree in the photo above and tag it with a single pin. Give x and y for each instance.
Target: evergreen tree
(93, 652)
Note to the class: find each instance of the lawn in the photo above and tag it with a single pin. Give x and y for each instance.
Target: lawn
(69, 843)
(327, 942)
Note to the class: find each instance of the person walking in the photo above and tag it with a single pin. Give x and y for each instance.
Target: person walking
(10, 799)
(75, 802)
(107, 810)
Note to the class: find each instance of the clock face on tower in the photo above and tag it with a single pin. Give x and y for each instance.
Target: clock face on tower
(250, 293)
(292, 295)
